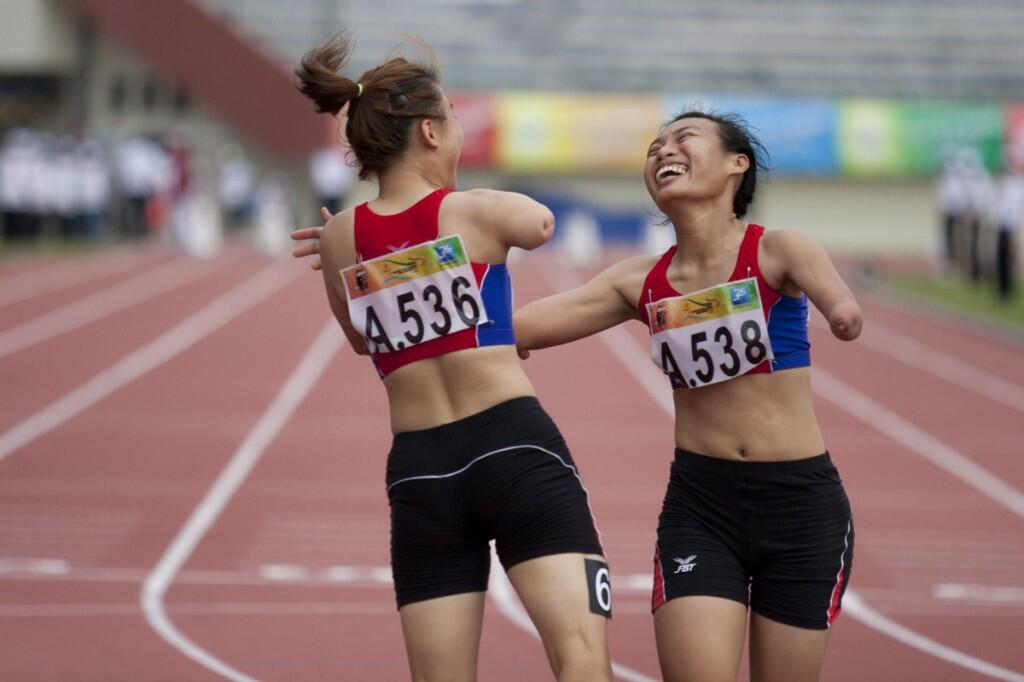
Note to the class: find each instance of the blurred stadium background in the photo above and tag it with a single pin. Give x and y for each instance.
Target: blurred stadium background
(856, 101)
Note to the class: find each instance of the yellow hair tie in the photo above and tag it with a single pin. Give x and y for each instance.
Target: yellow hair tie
(360, 92)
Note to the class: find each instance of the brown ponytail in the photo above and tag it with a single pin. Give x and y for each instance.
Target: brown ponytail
(382, 112)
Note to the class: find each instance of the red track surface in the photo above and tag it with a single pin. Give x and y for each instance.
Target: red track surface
(283, 583)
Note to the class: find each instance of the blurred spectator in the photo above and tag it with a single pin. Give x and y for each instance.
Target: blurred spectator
(235, 185)
(980, 194)
(143, 170)
(92, 185)
(15, 184)
(953, 199)
(273, 218)
(58, 191)
(332, 177)
(1009, 214)
(581, 238)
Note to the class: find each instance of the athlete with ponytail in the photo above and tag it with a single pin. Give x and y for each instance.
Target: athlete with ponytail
(417, 280)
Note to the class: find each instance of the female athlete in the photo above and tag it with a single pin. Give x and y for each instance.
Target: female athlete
(755, 513)
(417, 280)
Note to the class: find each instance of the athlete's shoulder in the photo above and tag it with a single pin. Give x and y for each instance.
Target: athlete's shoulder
(338, 234)
(628, 275)
(635, 265)
(786, 243)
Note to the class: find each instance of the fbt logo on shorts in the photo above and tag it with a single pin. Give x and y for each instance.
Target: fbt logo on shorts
(685, 565)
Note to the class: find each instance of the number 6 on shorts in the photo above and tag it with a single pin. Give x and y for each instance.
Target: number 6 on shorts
(600, 587)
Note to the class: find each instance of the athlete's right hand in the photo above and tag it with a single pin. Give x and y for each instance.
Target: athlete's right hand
(311, 247)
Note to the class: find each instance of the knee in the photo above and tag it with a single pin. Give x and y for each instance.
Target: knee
(582, 657)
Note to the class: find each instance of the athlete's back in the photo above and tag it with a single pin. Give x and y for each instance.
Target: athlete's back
(454, 380)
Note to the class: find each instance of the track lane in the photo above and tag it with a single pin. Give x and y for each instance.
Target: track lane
(132, 442)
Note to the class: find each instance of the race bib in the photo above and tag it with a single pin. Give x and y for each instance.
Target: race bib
(710, 336)
(412, 296)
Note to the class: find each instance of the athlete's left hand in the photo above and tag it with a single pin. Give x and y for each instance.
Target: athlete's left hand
(312, 246)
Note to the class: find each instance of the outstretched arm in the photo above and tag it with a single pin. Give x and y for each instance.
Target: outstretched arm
(601, 303)
(312, 246)
(804, 263)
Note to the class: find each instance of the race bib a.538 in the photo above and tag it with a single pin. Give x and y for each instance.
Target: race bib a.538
(711, 335)
(415, 295)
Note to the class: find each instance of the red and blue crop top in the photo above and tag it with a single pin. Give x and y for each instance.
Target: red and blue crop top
(786, 316)
(379, 235)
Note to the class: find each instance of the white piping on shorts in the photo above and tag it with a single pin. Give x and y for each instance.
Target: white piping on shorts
(570, 467)
(484, 456)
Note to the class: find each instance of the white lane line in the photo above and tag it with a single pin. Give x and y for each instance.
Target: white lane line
(933, 361)
(313, 364)
(855, 606)
(917, 440)
(58, 276)
(975, 592)
(107, 302)
(215, 315)
(504, 597)
(950, 460)
(334, 608)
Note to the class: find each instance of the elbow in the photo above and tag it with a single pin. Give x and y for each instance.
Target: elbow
(846, 321)
(547, 225)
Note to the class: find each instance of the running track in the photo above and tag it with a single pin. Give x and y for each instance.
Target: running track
(192, 462)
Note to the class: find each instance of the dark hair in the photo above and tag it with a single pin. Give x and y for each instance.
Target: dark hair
(736, 137)
(394, 96)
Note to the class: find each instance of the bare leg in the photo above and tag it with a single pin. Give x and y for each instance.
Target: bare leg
(554, 591)
(700, 639)
(442, 637)
(782, 652)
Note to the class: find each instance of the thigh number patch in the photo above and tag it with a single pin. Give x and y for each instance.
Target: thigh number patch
(600, 587)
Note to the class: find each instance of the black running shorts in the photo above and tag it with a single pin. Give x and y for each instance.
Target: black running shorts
(775, 535)
(503, 474)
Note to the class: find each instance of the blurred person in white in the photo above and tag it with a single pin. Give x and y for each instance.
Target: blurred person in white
(15, 183)
(581, 238)
(195, 223)
(59, 182)
(235, 187)
(980, 190)
(1009, 214)
(142, 170)
(273, 218)
(43, 194)
(953, 200)
(332, 177)
(92, 187)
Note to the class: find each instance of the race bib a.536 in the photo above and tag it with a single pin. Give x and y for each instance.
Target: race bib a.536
(415, 295)
(711, 335)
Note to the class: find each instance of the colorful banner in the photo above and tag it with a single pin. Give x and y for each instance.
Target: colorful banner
(798, 132)
(552, 132)
(869, 138)
(932, 130)
(895, 139)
